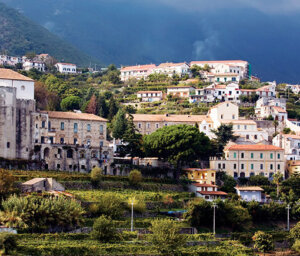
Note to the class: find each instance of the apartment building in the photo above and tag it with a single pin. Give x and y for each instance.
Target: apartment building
(181, 91)
(170, 69)
(149, 96)
(66, 68)
(137, 72)
(290, 143)
(249, 160)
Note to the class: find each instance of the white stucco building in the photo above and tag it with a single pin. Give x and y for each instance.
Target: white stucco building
(39, 65)
(251, 194)
(23, 84)
(137, 72)
(150, 96)
(66, 68)
(275, 107)
(181, 91)
(290, 143)
(170, 69)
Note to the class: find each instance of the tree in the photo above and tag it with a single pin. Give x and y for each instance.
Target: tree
(119, 124)
(30, 55)
(113, 109)
(277, 178)
(92, 106)
(6, 183)
(258, 180)
(104, 230)
(132, 139)
(8, 243)
(166, 237)
(177, 144)
(102, 107)
(263, 241)
(70, 103)
(295, 232)
(275, 123)
(195, 70)
(226, 182)
(135, 177)
(96, 175)
(286, 130)
(224, 134)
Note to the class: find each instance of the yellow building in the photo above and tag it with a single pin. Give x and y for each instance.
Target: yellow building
(293, 167)
(249, 160)
(201, 176)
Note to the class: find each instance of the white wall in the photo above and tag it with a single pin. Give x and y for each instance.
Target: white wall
(25, 89)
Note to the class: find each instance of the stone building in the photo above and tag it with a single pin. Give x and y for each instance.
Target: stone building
(71, 141)
(41, 184)
(17, 105)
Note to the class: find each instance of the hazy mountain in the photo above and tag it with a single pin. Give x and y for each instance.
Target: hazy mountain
(19, 35)
(143, 31)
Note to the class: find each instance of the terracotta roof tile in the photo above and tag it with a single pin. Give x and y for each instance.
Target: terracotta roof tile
(168, 118)
(251, 188)
(138, 67)
(149, 92)
(74, 116)
(217, 193)
(12, 75)
(254, 147)
(279, 109)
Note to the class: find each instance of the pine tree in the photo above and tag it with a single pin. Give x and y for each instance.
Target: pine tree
(102, 107)
(113, 109)
(119, 124)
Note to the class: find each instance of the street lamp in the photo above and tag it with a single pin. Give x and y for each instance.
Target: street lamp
(288, 217)
(214, 205)
(132, 202)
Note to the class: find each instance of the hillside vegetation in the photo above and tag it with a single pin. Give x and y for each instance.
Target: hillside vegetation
(19, 35)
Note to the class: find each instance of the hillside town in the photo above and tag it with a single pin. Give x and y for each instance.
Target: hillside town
(207, 128)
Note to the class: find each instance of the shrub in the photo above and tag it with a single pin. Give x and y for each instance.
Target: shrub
(7, 242)
(296, 246)
(263, 241)
(96, 175)
(129, 235)
(135, 177)
(110, 205)
(104, 230)
(166, 237)
(295, 232)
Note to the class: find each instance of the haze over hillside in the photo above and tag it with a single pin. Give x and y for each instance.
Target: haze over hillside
(19, 35)
(134, 31)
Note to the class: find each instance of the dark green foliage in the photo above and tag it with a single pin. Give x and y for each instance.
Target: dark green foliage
(295, 232)
(104, 230)
(177, 144)
(113, 108)
(226, 182)
(96, 175)
(119, 124)
(224, 134)
(19, 35)
(8, 243)
(258, 180)
(70, 103)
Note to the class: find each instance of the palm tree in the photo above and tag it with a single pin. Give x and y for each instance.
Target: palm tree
(277, 178)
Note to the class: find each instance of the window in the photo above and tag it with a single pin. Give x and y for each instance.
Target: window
(261, 166)
(271, 155)
(140, 125)
(247, 136)
(252, 166)
(252, 155)
(148, 125)
(223, 166)
(242, 155)
(219, 166)
(245, 127)
(261, 155)
(88, 127)
(43, 124)
(101, 143)
(271, 166)
(242, 166)
(234, 155)
(255, 137)
(157, 126)
(278, 156)
(8, 144)
(58, 166)
(235, 175)
(239, 127)
(23, 88)
(75, 127)
(62, 140)
(221, 116)
(62, 126)
(233, 116)
(234, 166)
(75, 141)
(278, 166)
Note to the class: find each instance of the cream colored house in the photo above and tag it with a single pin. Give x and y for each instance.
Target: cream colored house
(293, 167)
(249, 160)
(202, 176)
(181, 91)
(150, 96)
(137, 72)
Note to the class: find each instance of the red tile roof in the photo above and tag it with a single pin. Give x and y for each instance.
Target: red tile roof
(251, 188)
(168, 118)
(149, 92)
(69, 64)
(171, 64)
(218, 61)
(138, 67)
(74, 116)
(254, 147)
(217, 193)
(279, 109)
(199, 185)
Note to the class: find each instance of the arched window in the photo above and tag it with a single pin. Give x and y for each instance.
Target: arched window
(242, 175)
(252, 174)
(235, 174)
(46, 152)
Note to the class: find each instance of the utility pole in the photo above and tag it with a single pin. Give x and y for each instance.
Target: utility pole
(214, 205)
(131, 215)
(288, 217)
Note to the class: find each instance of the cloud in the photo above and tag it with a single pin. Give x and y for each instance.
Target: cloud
(49, 25)
(265, 6)
(204, 49)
